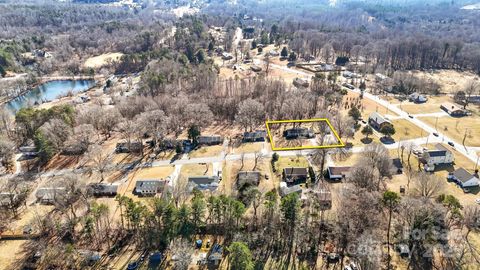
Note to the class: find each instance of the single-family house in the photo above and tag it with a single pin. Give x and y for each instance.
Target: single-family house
(464, 179)
(286, 190)
(203, 182)
(48, 195)
(255, 136)
(248, 177)
(298, 133)
(300, 83)
(149, 187)
(295, 175)
(103, 189)
(453, 109)
(417, 98)
(209, 140)
(377, 121)
(273, 53)
(441, 155)
(338, 173)
(126, 147)
(350, 75)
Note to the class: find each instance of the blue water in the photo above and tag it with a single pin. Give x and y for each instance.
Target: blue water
(48, 92)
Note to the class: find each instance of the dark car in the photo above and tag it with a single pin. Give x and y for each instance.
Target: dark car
(451, 144)
(411, 116)
(435, 134)
(132, 266)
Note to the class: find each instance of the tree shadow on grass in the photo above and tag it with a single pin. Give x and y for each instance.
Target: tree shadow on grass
(366, 140)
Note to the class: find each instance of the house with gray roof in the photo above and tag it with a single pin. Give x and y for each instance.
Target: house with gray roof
(149, 187)
(440, 156)
(377, 121)
(464, 179)
(248, 177)
(295, 175)
(203, 182)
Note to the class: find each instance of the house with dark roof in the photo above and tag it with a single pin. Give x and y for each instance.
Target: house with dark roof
(417, 98)
(248, 177)
(203, 182)
(255, 136)
(464, 179)
(298, 133)
(103, 189)
(453, 109)
(210, 140)
(377, 121)
(149, 187)
(126, 147)
(338, 173)
(440, 156)
(295, 175)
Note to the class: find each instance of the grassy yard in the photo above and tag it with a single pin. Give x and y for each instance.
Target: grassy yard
(206, 151)
(360, 140)
(155, 173)
(405, 130)
(249, 147)
(456, 128)
(196, 169)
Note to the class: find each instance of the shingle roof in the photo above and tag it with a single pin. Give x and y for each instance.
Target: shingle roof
(437, 153)
(462, 175)
(339, 170)
(379, 119)
(295, 171)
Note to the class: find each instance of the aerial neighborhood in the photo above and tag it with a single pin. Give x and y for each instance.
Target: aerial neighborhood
(247, 134)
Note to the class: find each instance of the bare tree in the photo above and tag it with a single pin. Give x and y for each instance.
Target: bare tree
(250, 113)
(101, 160)
(182, 253)
(427, 185)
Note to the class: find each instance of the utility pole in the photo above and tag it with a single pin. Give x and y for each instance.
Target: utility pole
(464, 137)
(436, 121)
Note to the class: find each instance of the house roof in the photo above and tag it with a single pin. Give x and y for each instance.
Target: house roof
(149, 184)
(441, 147)
(450, 107)
(295, 171)
(437, 153)
(338, 170)
(288, 190)
(103, 188)
(379, 119)
(462, 175)
(254, 134)
(202, 180)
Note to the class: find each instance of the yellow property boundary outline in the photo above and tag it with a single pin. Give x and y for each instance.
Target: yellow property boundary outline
(303, 147)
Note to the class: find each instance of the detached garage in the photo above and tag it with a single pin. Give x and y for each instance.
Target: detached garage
(464, 178)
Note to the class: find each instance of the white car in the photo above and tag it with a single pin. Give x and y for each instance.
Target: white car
(477, 201)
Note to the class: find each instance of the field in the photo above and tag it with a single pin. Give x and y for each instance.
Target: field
(101, 60)
(367, 106)
(405, 130)
(431, 106)
(196, 170)
(456, 128)
(450, 81)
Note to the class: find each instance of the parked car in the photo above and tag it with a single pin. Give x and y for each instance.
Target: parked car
(435, 134)
(451, 144)
(132, 266)
(411, 116)
(477, 201)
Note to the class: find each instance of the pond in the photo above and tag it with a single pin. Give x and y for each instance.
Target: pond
(48, 92)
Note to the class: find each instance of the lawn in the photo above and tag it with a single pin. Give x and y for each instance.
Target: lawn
(431, 106)
(231, 169)
(196, 169)
(405, 130)
(456, 128)
(286, 162)
(349, 160)
(360, 140)
(206, 151)
(249, 147)
(365, 105)
(103, 59)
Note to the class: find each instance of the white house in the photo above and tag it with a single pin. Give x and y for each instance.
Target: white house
(203, 182)
(464, 178)
(440, 156)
